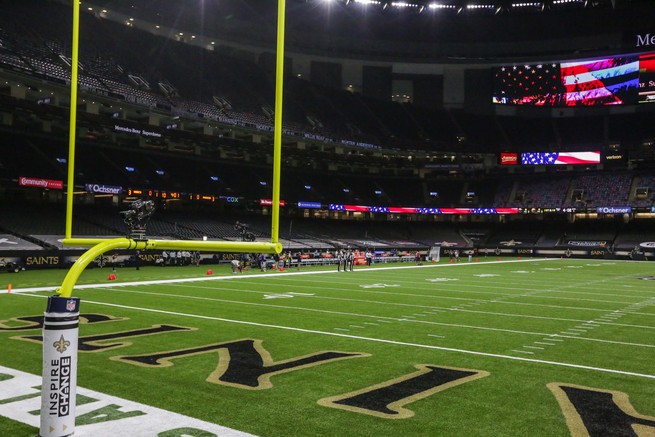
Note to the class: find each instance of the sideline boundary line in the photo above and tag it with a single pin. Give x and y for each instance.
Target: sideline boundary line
(265, 275)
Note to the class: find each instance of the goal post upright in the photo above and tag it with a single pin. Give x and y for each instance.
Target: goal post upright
(277, 128)
(72, 126)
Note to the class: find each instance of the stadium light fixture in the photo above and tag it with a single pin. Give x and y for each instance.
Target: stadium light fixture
(404, 5)
(567, 4)
(480, 7)
(440, 6)
(367, 2)
(527, 5)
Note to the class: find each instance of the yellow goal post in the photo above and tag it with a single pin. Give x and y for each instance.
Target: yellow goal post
(100, 246)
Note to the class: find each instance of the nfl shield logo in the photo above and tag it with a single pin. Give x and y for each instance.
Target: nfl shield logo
(70, 305)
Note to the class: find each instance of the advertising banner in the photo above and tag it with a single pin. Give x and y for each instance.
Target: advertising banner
(309, 205)
(269, 202)
(103, 189)
(509, 158)
(41, 183)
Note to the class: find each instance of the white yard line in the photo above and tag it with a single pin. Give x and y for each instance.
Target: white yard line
(378, 318)
(432, 296)
(457, 308)
(371, 339)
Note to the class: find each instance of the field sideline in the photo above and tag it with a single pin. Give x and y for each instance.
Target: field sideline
(511, 347)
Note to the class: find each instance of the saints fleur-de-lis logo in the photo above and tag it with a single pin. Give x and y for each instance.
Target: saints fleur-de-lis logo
(61, 345)
(511, 242)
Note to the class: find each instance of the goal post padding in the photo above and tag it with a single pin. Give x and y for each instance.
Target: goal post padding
(434, 254)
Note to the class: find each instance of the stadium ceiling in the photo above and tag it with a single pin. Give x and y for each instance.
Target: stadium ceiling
(478, 6)
(405, 28)
(409, 6)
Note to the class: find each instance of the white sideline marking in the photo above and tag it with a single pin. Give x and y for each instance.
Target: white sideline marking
(21, 397)
(379, 285)
(285, 295)
(265, 275)
(371, 339)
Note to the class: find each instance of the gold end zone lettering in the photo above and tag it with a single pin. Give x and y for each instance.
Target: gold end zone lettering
(593, 412)
(387, 399)
(243, 364)
(36, 322)
(94, 343)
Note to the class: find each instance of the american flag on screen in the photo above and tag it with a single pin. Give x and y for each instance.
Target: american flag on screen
(378, 209)
(566, 158)
(538, 85)
(600, 82)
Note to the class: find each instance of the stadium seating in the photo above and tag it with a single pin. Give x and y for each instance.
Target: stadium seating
(127, 64)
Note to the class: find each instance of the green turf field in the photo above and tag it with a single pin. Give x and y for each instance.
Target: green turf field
(489, 348)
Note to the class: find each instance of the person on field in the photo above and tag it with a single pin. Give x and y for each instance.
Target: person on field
(350, 261)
